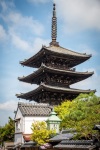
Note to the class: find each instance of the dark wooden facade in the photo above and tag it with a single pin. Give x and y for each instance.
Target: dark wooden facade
(56, 77)
(55, 72)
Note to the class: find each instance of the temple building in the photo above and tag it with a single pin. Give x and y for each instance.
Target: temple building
(55, 72)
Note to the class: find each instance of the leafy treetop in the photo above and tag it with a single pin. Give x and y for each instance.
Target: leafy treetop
(40, 133)
(7, 131)
(81, 114)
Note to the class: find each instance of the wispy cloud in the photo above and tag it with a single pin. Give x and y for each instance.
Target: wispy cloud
(23, 24)
(38, 42)
(86, 49)
(89, 83)
(23, 44)
(79, 15)
(38, 1)
(24, 32)
(3, 34)
(9, 105)
(19, 42)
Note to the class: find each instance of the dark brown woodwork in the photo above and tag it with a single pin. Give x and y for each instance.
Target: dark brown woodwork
(55, 73)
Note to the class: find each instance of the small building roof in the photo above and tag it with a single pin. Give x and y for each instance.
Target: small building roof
(61, 136)
(97, 127)
(29, 144)
(53, 117)
(29, 109)
(76, 144)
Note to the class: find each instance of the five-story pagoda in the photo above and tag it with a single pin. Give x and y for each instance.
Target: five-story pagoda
(55, 72)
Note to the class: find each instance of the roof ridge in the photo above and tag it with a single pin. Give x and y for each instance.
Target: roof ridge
(32, 104)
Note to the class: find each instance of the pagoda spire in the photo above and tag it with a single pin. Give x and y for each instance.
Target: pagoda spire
(54, 28)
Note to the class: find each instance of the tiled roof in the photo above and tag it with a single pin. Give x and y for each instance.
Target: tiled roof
(76, 144)
(29, 109)
(60, 137)
(97, 127)
(76, 147)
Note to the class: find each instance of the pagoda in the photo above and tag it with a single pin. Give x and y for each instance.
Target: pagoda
(55, 72)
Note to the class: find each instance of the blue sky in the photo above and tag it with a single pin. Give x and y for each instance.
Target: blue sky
(26, 25)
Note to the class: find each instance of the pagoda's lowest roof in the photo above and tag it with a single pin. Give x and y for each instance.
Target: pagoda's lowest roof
(55, 51)
(31, 78)
(29, 109)
(30, 95)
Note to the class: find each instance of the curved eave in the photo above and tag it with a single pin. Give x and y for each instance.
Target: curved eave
(63, 51)
(33, 58)
(54, 89)
(44, 68)
(56, 51)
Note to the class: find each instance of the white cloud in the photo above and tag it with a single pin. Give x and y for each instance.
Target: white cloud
(20, 43)
(37, 45)
(31, 46)
(38, 1)
(26, 87)
(79, 15)
(3, 34)
(9, 105)
(4, 6)
(86, 49)
(89, 83)
(23, 24)
(89, 51)
(22, 30)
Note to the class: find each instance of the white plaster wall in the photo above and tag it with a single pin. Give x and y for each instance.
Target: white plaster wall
(19, 115)
(18, 138)
(18, 132)
(29, 121)
(54, 126)
(25, 126)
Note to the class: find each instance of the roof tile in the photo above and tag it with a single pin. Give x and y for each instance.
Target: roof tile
(30, 109)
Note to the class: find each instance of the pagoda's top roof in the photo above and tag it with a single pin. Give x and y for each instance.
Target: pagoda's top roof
(50, 88)
(45, 68)
(56, 51)
(61, 50)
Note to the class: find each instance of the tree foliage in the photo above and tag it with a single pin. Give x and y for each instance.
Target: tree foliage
(40, 133)
(7, 131)
(81, 114)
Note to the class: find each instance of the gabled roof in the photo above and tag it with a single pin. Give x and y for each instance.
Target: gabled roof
(56, 51)
(60, 137)
(97, 127)
(40, 72)
(76, 145)
(29, 109)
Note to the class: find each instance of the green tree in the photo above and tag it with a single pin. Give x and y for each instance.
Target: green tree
(40, 133)
(7, 131)
(81, 114)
